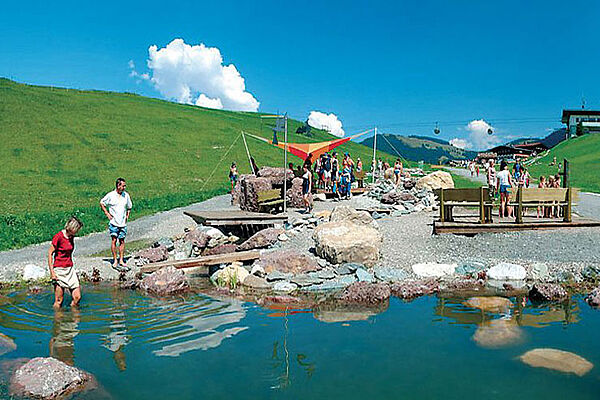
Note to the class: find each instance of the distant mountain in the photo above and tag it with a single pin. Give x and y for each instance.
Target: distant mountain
(419, 148)
(523, 141)
(554, 138)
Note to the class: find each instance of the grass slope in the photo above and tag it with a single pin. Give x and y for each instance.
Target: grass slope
(583, 154)
(62, 149)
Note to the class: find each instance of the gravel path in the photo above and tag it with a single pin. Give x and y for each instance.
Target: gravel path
(587, 206)
(168, 223)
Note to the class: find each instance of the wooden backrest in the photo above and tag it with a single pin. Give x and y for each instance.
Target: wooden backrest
(267, 195)
(532, 195)
(464, 194)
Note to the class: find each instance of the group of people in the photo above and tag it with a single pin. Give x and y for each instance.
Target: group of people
(116, 206)
(398, 170)
(503, 181)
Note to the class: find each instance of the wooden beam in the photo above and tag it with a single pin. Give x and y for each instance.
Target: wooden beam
(204, 261)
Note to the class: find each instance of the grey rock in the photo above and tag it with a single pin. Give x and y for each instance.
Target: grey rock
(563, 276)
(278, 276)
(390, 274)
(322, 262)
(306, 280)
(540, 272)
(166, 242)
(376, 215)
(364, 276)
(255, 282)
(284, 286)
(325, 273)
(469, 267)
(591, 273)
(347, 268)
(333, 284)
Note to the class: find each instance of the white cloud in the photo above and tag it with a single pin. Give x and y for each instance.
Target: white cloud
(134, 74)
(328, 122)
(479, 138)
(459, 143)
(195, 74)
(205, 101)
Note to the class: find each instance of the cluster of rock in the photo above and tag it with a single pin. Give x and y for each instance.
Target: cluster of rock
(245, 192)
(411, 195)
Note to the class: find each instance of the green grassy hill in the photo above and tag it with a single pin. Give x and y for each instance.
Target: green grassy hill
(419, 148)
(62, 149)
(583, 154)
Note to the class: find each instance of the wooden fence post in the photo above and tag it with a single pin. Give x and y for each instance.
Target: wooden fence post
(567, 208)
(519, 216)
(441, 204)
(481, 206)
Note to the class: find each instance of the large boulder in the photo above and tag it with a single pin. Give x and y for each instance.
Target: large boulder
(428, 270)
(436, 180)
(221, 249)
(261, 239)
(366, 293)
(154, 254)
(557, 360)
(349, 214)
(287, 261)
(165, 281)
(392, 197)
(275, 175)
(232, 275)
(49, 378)
(345, 241)
(250, 187)
(294, 195)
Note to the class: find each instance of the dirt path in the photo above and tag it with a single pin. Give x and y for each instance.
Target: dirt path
(588, 204)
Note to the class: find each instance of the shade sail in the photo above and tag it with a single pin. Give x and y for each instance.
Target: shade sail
(302, 150)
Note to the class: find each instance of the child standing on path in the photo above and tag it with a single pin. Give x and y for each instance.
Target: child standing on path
(60, 263)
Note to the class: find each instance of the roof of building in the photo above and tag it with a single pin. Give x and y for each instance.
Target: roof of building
(531, 145)
(566, 114)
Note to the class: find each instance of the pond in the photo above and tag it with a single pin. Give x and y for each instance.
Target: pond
(195, 346)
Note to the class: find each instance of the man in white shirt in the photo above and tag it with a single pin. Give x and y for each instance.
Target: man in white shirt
(116, 205)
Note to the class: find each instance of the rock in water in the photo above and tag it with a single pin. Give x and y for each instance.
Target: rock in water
(256, 282)
(345, 241)
(48, 378)
(436, 180)
(366, 293)
(593, 299)
(232, 275)
(557, 360)
(6, 344)
(428, 270)
(498, 333)
(507, 272)
(165, 281)
(287, 261)
(261, 239)
(32, 272)
(492, 304)
(284, 286)
(547, 292)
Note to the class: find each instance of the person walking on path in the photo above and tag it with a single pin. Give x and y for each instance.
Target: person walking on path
(119, 206)
(491, 177)
(306, 187)
(504, 185)
(60, 263)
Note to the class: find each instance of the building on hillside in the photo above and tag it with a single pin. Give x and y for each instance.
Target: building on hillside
(536, 147)
(589, 120)
(506, 152)
(483, 158)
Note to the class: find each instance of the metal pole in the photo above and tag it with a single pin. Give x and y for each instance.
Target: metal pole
(565, 173)
(374, 154)
(285, 173)
(248, 153)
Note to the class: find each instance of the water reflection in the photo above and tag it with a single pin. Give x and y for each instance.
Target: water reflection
(117, 337)
(64, 329)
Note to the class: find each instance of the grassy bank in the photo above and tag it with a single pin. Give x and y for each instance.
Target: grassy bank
(583, 154)
(63, 149)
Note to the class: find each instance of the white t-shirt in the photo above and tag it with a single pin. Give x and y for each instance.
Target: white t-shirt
(117, 204)
(503, 177)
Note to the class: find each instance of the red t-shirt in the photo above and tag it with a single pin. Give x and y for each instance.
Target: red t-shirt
(63, 250)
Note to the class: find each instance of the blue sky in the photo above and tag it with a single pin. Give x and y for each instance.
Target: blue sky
(399, 65)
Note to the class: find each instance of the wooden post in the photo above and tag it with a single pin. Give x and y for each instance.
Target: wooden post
(567, 208)
(481, 206)
(519, 217)
(441, 204)
(565, 173)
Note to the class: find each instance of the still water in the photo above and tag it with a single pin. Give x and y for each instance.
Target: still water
(198, 347)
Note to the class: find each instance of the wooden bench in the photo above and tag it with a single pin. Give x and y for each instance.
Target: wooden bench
(474, 197)
(543, 197)
(269, 200)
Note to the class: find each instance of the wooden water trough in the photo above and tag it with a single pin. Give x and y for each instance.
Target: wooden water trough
(205, 261)
(242, 223)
